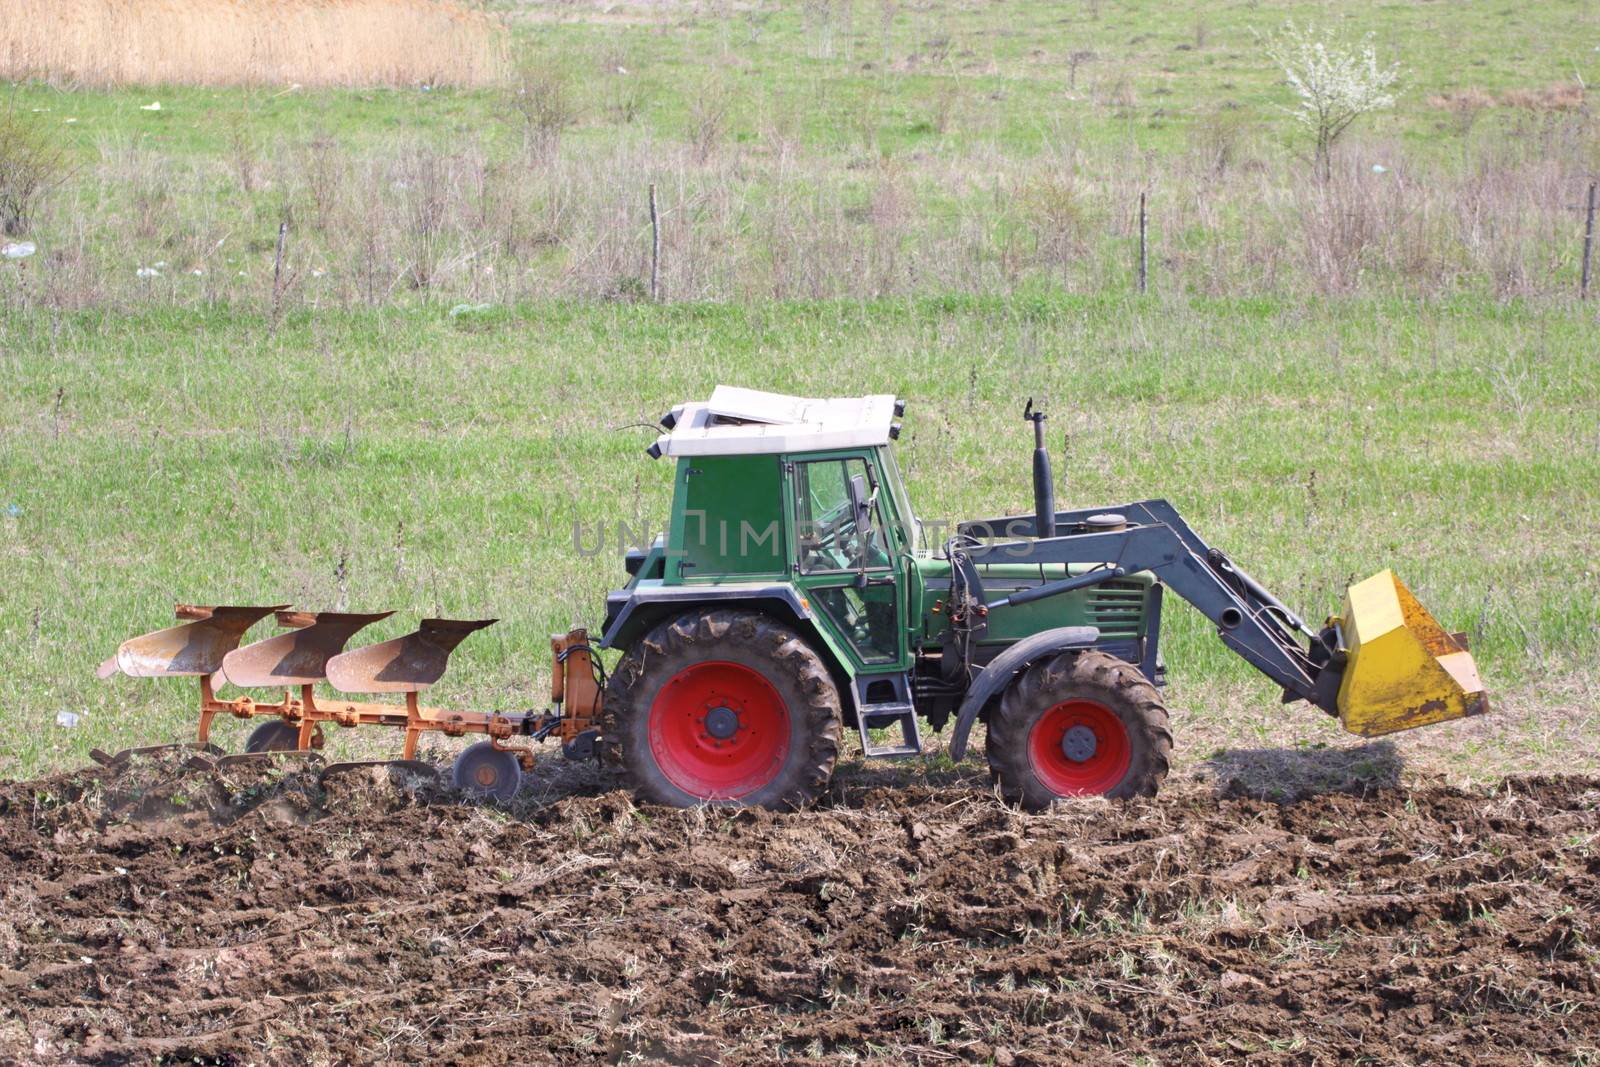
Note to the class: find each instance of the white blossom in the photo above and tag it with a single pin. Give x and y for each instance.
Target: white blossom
(1336, 84)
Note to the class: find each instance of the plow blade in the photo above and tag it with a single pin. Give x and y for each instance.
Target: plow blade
(403, 772)
(407, 664)
(193, 648)
(299, 657)
(1403, 669)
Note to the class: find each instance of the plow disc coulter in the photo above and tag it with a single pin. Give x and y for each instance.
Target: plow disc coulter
(796, 595)
(311, 651)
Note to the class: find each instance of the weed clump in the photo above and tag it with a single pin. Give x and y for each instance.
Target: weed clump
(32, 164)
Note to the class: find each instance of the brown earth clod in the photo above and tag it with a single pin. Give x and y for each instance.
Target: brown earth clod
(158, 910)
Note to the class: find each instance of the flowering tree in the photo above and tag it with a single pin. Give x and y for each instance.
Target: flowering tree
(1336, 85)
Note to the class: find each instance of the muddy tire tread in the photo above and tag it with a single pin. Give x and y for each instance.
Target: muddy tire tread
(791, 664)
(1099, 676)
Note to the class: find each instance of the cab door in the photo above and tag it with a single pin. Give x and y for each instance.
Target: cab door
(848, 574)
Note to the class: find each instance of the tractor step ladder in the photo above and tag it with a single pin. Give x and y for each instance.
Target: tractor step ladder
(897, 713)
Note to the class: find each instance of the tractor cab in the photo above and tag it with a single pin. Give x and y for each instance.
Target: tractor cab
(795, 507)
(769, 484)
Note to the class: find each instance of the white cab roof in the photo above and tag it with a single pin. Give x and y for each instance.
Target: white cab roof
(738, 422)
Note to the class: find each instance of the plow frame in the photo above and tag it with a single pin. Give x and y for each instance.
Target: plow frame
(207, 648)
(306, 713)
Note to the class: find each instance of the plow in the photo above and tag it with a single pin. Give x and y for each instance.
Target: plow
(311, 651)
(796, 594)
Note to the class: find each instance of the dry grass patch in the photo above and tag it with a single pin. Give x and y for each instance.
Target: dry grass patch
(1557, 96)
(273, 42)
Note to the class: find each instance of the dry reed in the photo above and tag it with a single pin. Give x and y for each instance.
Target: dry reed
(263, 42)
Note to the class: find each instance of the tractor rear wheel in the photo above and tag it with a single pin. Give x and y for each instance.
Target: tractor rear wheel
(1079, 724)
(723, 707)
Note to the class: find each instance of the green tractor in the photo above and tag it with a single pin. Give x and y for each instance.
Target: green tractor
(794, 594)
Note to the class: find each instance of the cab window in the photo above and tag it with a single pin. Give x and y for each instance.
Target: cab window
(826, 537)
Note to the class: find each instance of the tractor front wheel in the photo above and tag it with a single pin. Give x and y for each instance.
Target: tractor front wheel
(723, 707)
(1079, 724)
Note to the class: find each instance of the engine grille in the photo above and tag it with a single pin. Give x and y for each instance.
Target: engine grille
(1117, 608)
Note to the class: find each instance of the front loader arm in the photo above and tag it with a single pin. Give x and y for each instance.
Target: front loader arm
(1384, 664)
(1249, 620)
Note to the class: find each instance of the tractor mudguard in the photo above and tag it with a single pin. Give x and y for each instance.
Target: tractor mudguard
(628, 614)
(1006, 666)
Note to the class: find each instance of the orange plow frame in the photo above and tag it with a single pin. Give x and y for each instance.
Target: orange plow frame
(311, 651)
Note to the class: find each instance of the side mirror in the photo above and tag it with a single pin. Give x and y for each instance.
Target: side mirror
(860, 503)
(861, 513)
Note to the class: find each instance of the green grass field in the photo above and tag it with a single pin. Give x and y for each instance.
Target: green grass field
(841, 149)
(408, 461)
(924, 200)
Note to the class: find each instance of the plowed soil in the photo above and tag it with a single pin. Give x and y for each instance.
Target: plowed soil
(172, 914)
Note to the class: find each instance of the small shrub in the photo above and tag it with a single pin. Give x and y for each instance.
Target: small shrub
(1059, 215)
(1116, 91)
(708, 120)
(1463, 105)
(544, 108)
(31, 165)
(947, 102)
(626, 98)
(427, 190)
(1219, 139)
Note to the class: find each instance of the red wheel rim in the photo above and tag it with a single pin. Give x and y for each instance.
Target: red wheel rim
(1100, 763)
(719, 730)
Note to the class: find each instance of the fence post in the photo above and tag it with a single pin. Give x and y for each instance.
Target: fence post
(1144, 246)
(1588, 244)
(655, 247)
(277, 266)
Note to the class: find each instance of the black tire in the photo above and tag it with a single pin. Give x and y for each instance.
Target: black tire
(279, 736)
(1083, 691)
(694, 646)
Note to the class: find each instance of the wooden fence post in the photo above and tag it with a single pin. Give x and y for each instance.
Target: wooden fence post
(1588, 244)
(655, 247)
(1144, 246)
(277, 267)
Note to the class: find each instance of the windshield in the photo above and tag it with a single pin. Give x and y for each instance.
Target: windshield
(910, 528)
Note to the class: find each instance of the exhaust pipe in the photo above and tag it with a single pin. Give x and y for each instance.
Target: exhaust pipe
(1044, 492)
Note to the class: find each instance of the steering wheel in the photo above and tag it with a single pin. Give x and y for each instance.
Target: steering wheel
(833, 525)
(825, 547)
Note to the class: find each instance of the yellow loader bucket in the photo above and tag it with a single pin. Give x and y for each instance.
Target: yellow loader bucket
(1403, 670)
